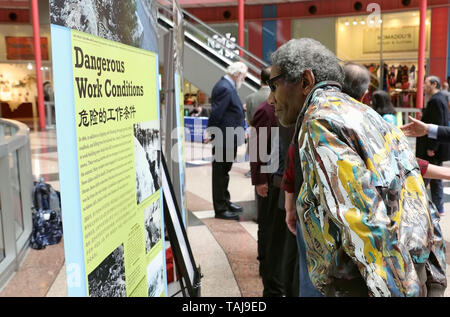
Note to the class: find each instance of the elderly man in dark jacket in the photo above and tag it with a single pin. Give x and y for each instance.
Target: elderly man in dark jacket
(430, 149)
(226, 124)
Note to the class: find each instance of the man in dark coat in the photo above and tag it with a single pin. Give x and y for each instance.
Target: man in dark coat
(226, 125)
(436, 112)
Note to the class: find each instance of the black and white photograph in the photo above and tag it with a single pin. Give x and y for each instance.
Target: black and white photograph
(155, 276)
(131, 22)
(147, 156)
(108, 279)
(152, 218)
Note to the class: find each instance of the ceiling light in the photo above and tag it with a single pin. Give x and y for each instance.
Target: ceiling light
(355, 23)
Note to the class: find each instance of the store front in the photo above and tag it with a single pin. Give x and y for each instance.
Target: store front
(18, 89)
(353, 33)
(391, 62)
(357, 39)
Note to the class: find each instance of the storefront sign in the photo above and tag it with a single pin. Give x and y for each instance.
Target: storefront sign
(401, 39)
(224, 45)
(22, 48)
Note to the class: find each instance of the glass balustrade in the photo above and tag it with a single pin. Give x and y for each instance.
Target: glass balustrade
(15, 193)
(15, 196)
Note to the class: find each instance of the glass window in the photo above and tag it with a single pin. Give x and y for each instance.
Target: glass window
(16, 194)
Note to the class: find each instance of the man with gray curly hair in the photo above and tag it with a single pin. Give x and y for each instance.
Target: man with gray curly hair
(365, 215)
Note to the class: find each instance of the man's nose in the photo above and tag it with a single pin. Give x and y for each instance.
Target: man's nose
(271, 99)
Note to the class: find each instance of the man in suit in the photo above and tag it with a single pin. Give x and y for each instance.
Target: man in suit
(436, 112)
(255, 99)
(417, 128)
(226, 125)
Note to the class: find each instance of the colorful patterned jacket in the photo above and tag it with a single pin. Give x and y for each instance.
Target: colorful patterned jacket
(368, 223)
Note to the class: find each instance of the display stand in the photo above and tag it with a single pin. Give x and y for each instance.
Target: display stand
(190, 274)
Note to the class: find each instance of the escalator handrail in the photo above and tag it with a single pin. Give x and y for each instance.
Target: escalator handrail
(211, 53)
(263, 63)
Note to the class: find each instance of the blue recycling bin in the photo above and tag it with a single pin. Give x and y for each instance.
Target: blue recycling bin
(195, 128)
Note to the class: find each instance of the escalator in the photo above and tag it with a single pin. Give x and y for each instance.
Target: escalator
(207, 54)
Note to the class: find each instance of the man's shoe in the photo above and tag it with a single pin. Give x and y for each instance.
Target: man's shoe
(227, 215)
(235, 207)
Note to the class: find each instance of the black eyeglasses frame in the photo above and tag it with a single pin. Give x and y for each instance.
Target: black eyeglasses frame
(272, 80)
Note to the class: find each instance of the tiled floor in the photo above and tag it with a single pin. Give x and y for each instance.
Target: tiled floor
(225, 250)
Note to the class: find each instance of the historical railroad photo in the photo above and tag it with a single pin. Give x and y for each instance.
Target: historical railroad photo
(131, 22)
(152, 218)
(147, 155)
(155, 277)
(108, 279)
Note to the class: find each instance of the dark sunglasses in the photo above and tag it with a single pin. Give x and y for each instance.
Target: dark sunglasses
(272, 80)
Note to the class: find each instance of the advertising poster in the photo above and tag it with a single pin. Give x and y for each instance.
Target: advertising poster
(109, 147)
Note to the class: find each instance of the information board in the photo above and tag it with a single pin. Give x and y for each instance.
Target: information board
(109, 148)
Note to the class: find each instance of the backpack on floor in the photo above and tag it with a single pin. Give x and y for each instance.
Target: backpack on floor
(47, 224)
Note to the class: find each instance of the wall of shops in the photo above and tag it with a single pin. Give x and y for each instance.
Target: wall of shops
(290, 20)
(18, 91)
(303, 9)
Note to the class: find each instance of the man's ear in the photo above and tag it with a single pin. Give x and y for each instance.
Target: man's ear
(308, 81)
(363, 95)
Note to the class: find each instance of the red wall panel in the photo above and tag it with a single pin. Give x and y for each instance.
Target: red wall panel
(255, 38)
(283, 32)
(439, 38)
(300, 9)
(22, 16)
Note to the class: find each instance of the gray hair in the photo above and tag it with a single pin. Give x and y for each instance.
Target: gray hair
(357, 80)
(435, 80)
(298, 55)
(237, 67)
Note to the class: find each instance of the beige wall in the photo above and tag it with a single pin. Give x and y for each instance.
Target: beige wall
(321, 29)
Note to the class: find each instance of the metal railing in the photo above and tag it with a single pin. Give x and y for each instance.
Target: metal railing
(221, 46)
(16, 183)
(407, 112)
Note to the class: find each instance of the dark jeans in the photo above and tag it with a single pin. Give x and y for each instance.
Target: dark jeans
(307, 289)
(290, 269)
(221, 178)
(274, 232)
(263, 220)
(437, 190)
